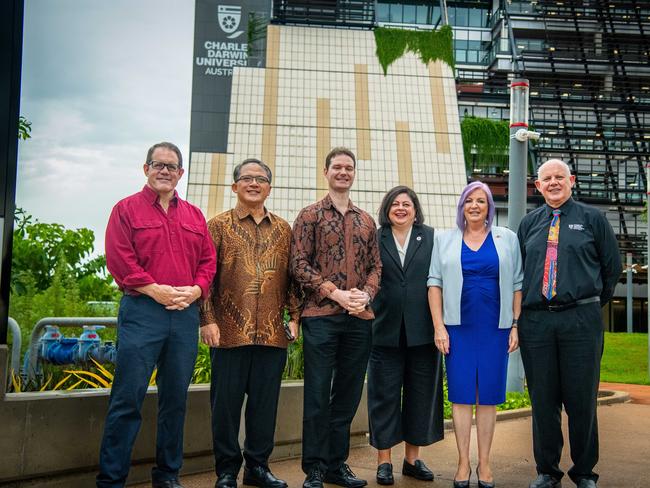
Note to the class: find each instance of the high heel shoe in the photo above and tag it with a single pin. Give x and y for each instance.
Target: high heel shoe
(463, 483)
(483, 484)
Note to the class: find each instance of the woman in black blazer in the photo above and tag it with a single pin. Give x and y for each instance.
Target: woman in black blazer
(404, 372)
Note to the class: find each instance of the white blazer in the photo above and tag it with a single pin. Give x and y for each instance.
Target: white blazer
(446, 272)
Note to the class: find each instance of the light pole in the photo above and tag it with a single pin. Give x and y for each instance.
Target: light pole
(517, 189)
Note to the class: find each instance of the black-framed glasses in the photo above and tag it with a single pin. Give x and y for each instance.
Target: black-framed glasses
(159, 166)
(261, 180)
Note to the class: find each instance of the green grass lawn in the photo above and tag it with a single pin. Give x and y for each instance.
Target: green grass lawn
(625, 359)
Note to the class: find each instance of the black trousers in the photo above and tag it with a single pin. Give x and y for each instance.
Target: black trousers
(561, 352)
(336, 349)
(405, 399)
(254, 371)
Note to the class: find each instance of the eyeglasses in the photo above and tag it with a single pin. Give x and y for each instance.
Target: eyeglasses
(159, 166)
(261, 180)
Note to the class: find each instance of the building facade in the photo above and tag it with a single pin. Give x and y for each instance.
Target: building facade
(309, 79)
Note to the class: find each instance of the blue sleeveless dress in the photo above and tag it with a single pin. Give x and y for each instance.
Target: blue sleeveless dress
(477, 362)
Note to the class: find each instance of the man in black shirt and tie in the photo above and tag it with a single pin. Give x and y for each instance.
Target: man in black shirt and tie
(571, 266)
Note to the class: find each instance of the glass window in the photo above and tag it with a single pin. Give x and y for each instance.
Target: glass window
(461, 17)
(476, 17)
(383, 12)
(423, 12)
(472, 56)
(396, 12)
(451, 13)
(461, 55)
(409, 14)
(435, 15)
(460, 44)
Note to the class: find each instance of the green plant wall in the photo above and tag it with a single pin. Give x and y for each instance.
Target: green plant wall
(485, 143)
(428, 45)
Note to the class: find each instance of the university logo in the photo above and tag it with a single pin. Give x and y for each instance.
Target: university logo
(229, 18)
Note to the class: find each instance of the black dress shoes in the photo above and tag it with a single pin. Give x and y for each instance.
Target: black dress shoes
(419, 470)
(461, 484)
(586, 483)
(344, 476)
(261, 476)
(226, 480)
(545, 481)
(385, 474)
(314, 479)
(166, 484)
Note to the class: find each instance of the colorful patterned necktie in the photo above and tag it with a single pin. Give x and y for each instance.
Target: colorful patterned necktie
(549, 284)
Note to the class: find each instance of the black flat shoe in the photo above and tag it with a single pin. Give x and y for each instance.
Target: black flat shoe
(483, 484)
(419, 470)
(385, 474)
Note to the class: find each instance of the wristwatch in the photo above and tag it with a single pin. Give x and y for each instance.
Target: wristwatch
(515, 323)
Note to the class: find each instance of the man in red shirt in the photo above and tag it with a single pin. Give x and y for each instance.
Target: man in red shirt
(161, 256)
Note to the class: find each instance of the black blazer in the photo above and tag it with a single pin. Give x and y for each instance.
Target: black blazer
(403, 292)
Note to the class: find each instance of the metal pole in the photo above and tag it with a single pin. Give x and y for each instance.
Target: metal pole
(647, 166)
(628, 272)
(517, 178)
(11, 42)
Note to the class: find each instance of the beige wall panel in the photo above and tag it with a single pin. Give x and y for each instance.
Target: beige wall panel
(271, 77)
(362, 111)
(323, 143)
(439, 107)
(404, 161)
(217, 184)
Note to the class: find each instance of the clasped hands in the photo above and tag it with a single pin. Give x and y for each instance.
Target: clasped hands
(354, 301)
(172, 297)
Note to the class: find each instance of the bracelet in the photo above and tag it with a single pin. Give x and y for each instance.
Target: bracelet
(515, 323)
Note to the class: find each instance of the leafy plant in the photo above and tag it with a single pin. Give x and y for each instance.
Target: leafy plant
(428, 45)
(485, 142)
(38, 248)
(203, 366)
(295, 368)
(24, 128)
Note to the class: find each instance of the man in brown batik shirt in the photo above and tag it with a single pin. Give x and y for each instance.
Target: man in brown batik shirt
(335, 257)
(242, 321)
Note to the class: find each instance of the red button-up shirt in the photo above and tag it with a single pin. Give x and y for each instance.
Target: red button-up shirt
(145, 244)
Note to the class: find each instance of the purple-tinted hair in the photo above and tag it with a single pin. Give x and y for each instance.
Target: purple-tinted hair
(474, 185)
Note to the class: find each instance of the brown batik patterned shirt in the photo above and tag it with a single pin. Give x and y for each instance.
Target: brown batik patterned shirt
(252, 286)
(329, 251)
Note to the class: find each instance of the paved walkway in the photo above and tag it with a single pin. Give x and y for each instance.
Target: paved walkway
(625, 442)
(638, 393)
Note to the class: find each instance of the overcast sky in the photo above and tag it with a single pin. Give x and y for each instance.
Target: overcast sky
(101, 82)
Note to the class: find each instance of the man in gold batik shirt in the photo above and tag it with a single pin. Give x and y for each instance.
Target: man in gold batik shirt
(242, 322)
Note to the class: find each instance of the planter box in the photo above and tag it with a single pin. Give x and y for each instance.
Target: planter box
(51, 439)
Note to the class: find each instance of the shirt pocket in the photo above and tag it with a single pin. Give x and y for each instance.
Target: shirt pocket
(193, 236)
(148, 237)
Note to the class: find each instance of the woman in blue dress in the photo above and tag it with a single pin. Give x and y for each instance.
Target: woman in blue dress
(475, 283)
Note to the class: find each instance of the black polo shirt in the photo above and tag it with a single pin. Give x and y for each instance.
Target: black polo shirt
(588, 264)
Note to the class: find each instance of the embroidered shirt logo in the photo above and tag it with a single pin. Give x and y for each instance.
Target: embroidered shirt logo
(576, 227)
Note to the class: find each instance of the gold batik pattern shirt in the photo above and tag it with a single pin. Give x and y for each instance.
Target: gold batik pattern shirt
(252, 286)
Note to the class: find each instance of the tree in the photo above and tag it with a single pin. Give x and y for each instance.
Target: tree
(39, 249)
(24, 128)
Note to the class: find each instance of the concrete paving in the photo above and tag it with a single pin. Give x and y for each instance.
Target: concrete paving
(624, 447)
